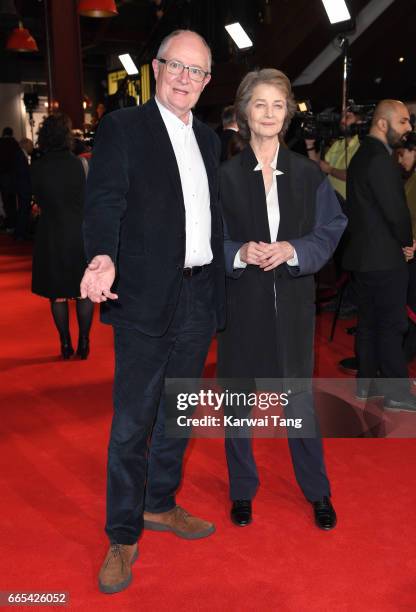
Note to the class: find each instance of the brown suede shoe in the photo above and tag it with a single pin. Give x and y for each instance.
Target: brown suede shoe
(180, 522)
(115, 573)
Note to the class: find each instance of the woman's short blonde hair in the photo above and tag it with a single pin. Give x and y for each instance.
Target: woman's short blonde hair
(266, 76)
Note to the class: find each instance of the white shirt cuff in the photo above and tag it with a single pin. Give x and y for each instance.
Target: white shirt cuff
(294, 261)
(237, 261)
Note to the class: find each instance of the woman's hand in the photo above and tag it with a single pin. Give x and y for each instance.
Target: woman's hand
(409, 252)
(250, 253)
(325, 167)
(275, 254)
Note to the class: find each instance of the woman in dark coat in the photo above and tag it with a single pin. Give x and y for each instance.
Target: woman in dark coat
(282, 223)
(58, 183)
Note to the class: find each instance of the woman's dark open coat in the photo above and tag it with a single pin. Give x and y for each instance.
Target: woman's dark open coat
(270, 315)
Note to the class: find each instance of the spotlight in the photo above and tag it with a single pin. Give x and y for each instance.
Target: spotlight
(303, 106)
(336, 10)
(128, 64)
(401, 59)
(239, 35)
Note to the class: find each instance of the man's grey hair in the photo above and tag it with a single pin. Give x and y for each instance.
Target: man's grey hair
(166, 41)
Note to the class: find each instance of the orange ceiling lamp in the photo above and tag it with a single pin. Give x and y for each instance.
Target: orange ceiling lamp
(21, 40)
(97, 8)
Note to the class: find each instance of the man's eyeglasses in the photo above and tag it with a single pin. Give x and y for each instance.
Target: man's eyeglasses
(175, 67)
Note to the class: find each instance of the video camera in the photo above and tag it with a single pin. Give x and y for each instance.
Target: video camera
(326, 126)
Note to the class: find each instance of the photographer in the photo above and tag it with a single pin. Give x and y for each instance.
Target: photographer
(339, 154)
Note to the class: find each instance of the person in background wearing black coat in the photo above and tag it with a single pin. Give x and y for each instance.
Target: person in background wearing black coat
(11, 158)
(24, 191)
(406, 156)
(378, 245)
(229, 129)
(58, 184)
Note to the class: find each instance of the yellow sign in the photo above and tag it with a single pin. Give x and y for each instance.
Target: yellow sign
(141, 83)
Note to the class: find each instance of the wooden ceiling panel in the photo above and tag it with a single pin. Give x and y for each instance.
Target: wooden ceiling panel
(297, 32)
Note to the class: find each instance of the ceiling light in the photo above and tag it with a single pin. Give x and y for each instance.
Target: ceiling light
(401, 59)
(128, 64)
(239, 35)
(336, 10)
(21, 40)
(97, 8)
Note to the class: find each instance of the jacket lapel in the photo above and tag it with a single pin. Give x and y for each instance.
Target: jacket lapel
(258, 208)
(290, 192)
(166, 154)
(210, 163)
(257, 197)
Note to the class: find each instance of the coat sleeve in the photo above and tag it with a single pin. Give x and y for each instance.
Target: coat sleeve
(230, 250)
(107, 188)
(382, 178)
(316, 248)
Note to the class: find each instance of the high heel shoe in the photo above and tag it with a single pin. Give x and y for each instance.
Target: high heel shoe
(83, 349)
(66, 350)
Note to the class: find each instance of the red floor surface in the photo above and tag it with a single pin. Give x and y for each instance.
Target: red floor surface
(55, 420)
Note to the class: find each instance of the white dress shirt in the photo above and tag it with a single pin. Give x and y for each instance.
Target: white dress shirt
(273, 212)
(195, 188)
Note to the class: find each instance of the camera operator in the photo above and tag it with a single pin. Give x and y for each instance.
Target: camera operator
(339, 154)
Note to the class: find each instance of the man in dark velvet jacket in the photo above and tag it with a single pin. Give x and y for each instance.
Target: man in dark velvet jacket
(154, 242)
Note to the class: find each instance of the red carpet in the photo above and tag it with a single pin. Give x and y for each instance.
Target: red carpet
(55, 419)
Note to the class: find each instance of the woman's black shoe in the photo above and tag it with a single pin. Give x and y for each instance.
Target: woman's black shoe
(66, 350)
(83, 349)
(241, 513)
(325, 515)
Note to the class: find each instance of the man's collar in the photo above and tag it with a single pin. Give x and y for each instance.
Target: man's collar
(172, 119)
(388, 147)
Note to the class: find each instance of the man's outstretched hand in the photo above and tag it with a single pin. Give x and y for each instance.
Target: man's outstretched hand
(98, 279)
